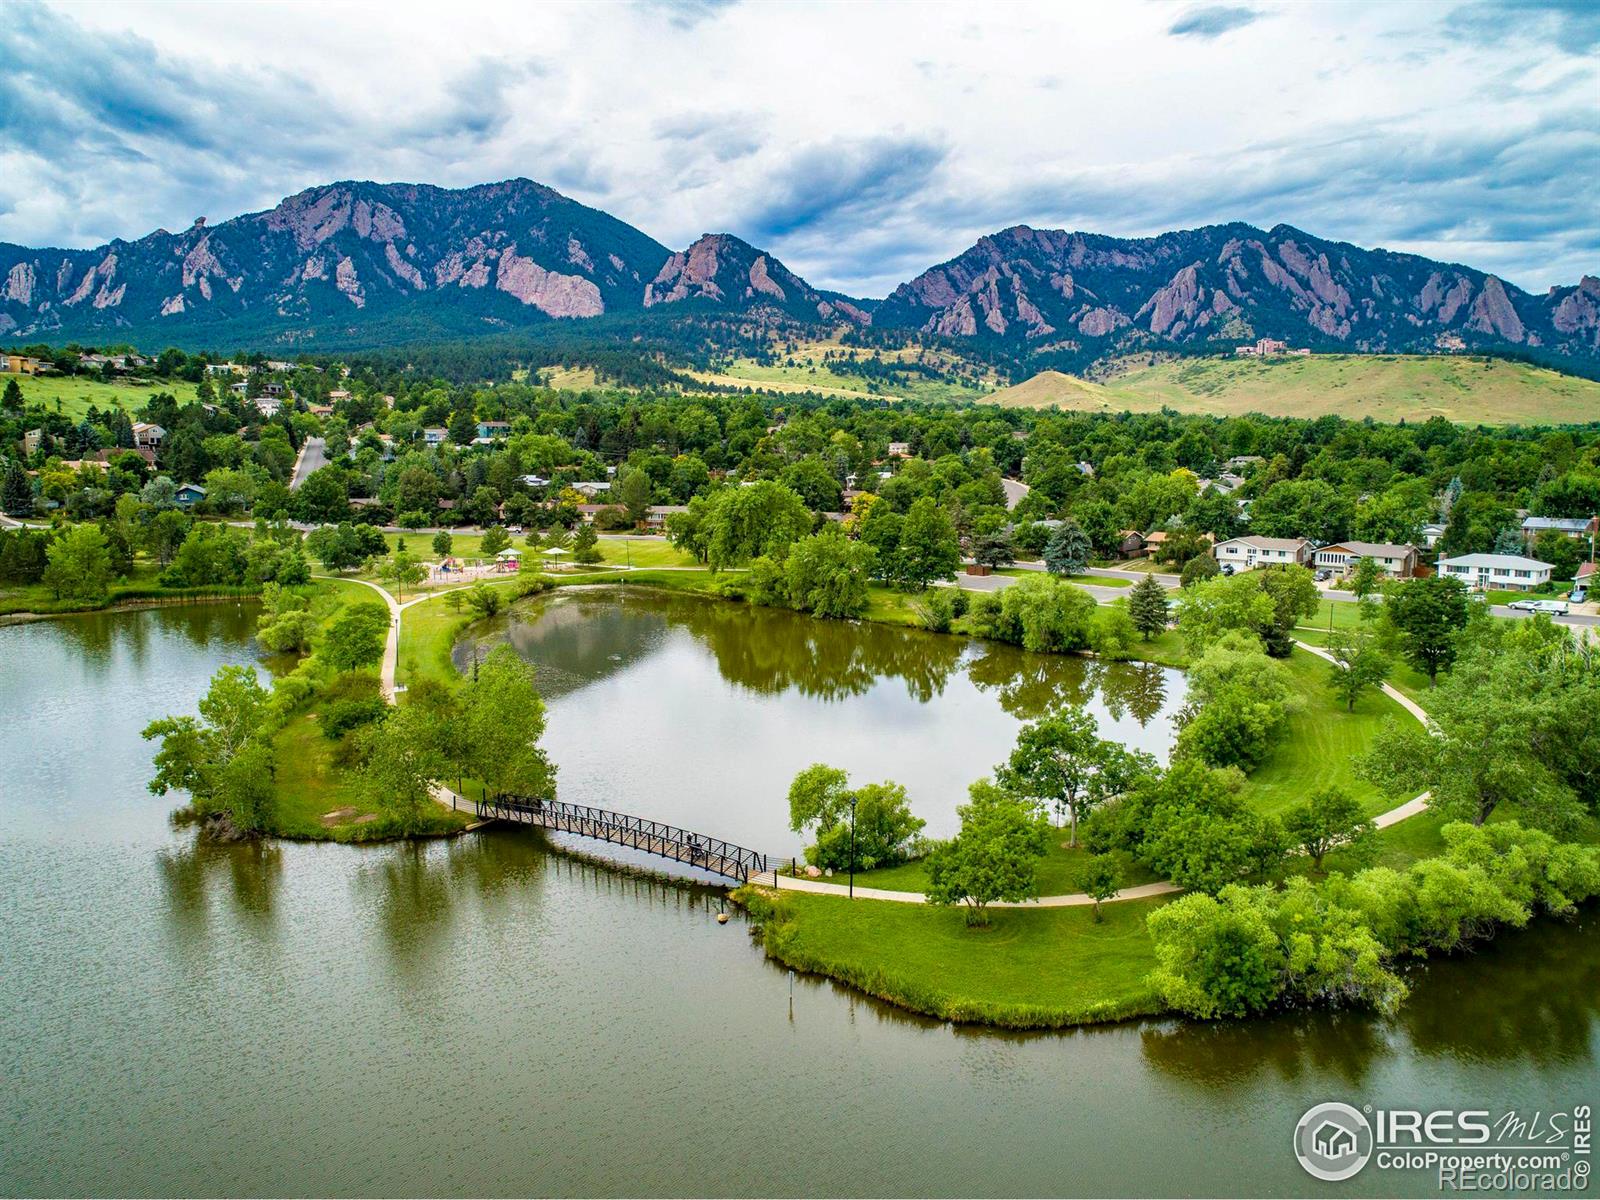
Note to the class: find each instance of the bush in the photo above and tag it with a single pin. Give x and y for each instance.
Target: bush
(342, 716)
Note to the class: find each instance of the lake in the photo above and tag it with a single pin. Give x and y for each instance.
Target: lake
(490, 1016)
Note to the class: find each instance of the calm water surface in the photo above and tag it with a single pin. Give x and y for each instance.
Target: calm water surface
(486, 1016)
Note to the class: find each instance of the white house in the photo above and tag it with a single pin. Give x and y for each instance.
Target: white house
(591, 487)
(899, 449)
(1503, 572)
(147, 436)
(1397, 561)
(1248, 553)
(434, 435)
(1431, 533)
(268, 406)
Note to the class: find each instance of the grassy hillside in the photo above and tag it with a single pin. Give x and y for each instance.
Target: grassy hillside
(802, 369)
(1384, 387)
(73, 394)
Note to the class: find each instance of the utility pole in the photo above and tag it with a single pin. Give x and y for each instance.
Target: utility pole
(852, 846)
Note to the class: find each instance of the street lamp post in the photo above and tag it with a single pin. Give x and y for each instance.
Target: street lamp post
(852, 847)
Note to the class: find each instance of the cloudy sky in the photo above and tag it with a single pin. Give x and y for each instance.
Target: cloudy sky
(860, 142)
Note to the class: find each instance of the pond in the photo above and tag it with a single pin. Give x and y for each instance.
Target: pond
(699, 712)
(487, 1016)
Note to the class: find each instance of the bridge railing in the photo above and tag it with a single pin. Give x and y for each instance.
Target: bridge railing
(655, 837)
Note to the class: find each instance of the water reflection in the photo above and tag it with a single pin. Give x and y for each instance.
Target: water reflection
(197, 873)
(581, 638)
(1541, 1009)
(98, 638)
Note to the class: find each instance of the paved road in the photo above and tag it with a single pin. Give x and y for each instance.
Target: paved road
(1015, 490)
(313, 455)
(993, 583)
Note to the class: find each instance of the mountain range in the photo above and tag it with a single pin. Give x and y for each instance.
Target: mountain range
(356, 263)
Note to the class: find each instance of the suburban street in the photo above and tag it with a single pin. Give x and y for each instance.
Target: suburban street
(1588, 616)
(313, 455)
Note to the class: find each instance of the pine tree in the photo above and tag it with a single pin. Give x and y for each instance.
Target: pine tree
(1147, 606)
(16, 495)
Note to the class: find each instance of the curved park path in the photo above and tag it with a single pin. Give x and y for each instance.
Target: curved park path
(1075, 899)
(391, 660)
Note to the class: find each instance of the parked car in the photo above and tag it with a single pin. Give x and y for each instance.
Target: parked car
(1323, 575)
(1227, 568)
(1578, 595)
(1477, 598)
(1525, 605)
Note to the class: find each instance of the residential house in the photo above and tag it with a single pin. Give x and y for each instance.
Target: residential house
(320, 410)
(1502, 572)
(268, 406)
(899, 449)
(21, 364)
(1342, 557)
(106, 456)
(1431, 533)
(32, 440)
(147, 436)
(586, 512)
(1225, 484)
(274, 364)
(1086, 469)
(1248, 553)
(189, 494)
(1585, 575)
(1240, 461)
(435, 435)
(1268, 346)
(275, 390)
(240, 389)
(1130, 543)
(591, 487)
(225, 369)
(655, 517)
(338, 396)
(493, 429)
(1572, 527)
(535, 481)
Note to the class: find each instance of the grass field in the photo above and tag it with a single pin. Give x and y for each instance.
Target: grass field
(73, 394)
(1319, 746)
(1060, 871)
(1035, 968)
(809, 373)
(1384, 387)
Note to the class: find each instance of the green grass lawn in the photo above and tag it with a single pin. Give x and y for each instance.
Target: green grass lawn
(316, 800)
(1108, 581)
(1319, 745)
(72, 395)
(1060, 872)
(1031, 968)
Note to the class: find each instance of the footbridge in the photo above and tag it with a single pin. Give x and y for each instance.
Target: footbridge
(638, 833)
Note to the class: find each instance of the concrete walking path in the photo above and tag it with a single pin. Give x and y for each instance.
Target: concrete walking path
(1143, 891)
(449, 798)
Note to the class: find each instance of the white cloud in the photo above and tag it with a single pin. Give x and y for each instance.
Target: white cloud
(859, 142)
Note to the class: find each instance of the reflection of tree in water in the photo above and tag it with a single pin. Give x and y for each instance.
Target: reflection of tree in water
(574, 639)
(1530, 996)
(1227, 1056)
(253, 872)
(1031, 685)
(578, 639)
(94, 635)
(1137, 689)
(770, 651)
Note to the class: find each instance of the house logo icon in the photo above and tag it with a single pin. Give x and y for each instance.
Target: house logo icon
(1333, 1141)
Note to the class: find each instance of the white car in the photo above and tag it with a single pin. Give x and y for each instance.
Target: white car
(1556, 608)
